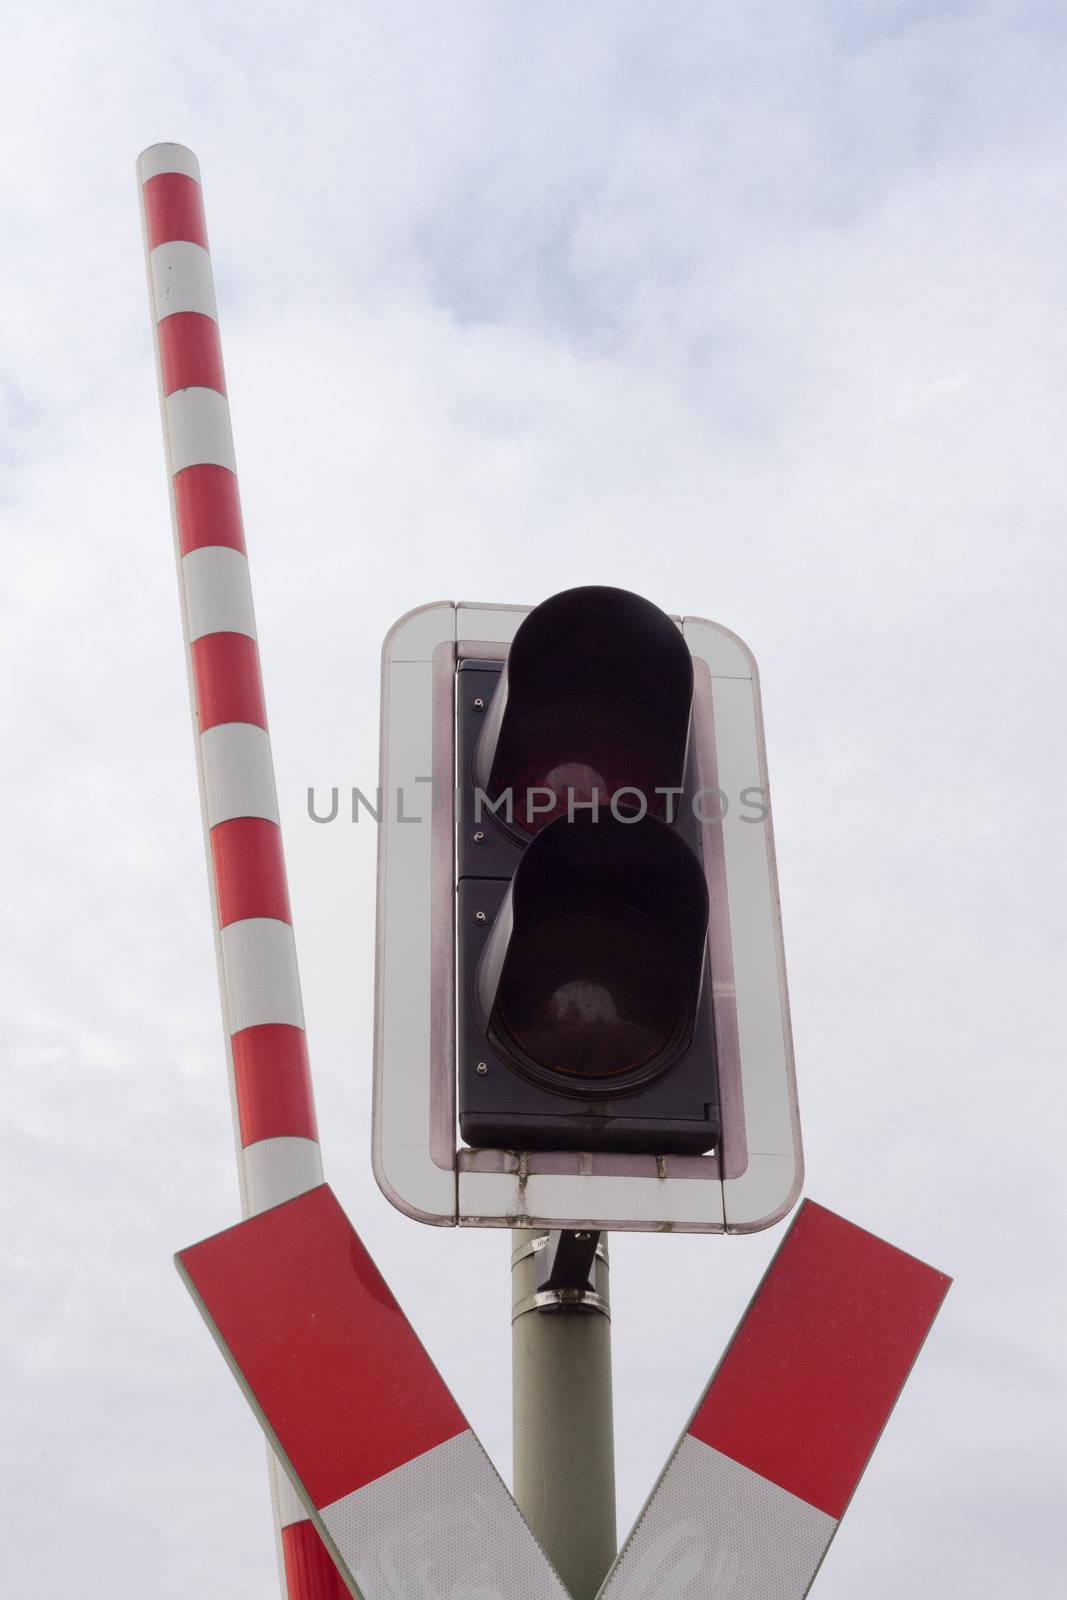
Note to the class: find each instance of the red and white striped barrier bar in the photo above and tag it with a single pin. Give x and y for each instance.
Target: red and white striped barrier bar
(277, 1138)
(395, 1480)
(760, 1480)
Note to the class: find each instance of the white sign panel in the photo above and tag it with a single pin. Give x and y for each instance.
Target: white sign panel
(754, 1177)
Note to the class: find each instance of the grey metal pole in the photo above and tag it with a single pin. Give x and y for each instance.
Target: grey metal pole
(563, 1443)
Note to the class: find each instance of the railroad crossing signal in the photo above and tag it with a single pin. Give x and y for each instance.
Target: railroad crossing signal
(408, 1503)
(627, 997)
(579, 945)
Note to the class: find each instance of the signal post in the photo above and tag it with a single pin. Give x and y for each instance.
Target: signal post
(563, 1437)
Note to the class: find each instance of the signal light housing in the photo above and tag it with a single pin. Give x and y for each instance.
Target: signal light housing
(584, 1004)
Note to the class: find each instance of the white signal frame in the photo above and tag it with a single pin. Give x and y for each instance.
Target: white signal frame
(418, 1160)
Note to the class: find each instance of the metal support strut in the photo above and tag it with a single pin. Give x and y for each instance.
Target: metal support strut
(564, 1450)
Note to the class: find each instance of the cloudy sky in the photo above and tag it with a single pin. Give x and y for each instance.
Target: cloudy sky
(756, 308)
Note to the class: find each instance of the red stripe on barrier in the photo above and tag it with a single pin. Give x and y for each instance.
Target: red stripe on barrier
(227, 681)
(309, 1323)
(249, 870)
(174, 209)
(273, 1083)
(309, 1572)
(816, 1366)
(190, 354)
(208, 507)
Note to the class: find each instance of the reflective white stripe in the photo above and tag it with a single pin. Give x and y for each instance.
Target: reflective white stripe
(218, 593)
(416, 635)
(279, 1169)
(160, 158)
(767, 1189)
(287, 1503)
(714, 1530)
(403, 1164)
(497, 623)
(238, 772)
(765, 1051)
(441, 1526)
(572, 1200)
(726, 655)
(198, 423)
(181, 279)
(262, 982)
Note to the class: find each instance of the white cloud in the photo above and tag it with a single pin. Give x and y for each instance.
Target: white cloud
(754, 309)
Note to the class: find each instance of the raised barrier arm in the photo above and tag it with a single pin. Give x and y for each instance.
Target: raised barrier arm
(259, 986)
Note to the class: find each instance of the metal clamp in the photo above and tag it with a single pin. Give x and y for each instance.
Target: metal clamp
(535, 1246)
(567, 1265)
(562, 1300)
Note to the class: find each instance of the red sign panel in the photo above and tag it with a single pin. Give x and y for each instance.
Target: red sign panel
(401, 1491)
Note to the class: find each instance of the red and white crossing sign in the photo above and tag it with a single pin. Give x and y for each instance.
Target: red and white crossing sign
(408, 1503)
(760, 1480)
(405, 1498)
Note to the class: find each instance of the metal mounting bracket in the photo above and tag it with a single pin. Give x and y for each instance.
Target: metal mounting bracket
(566, 1269)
